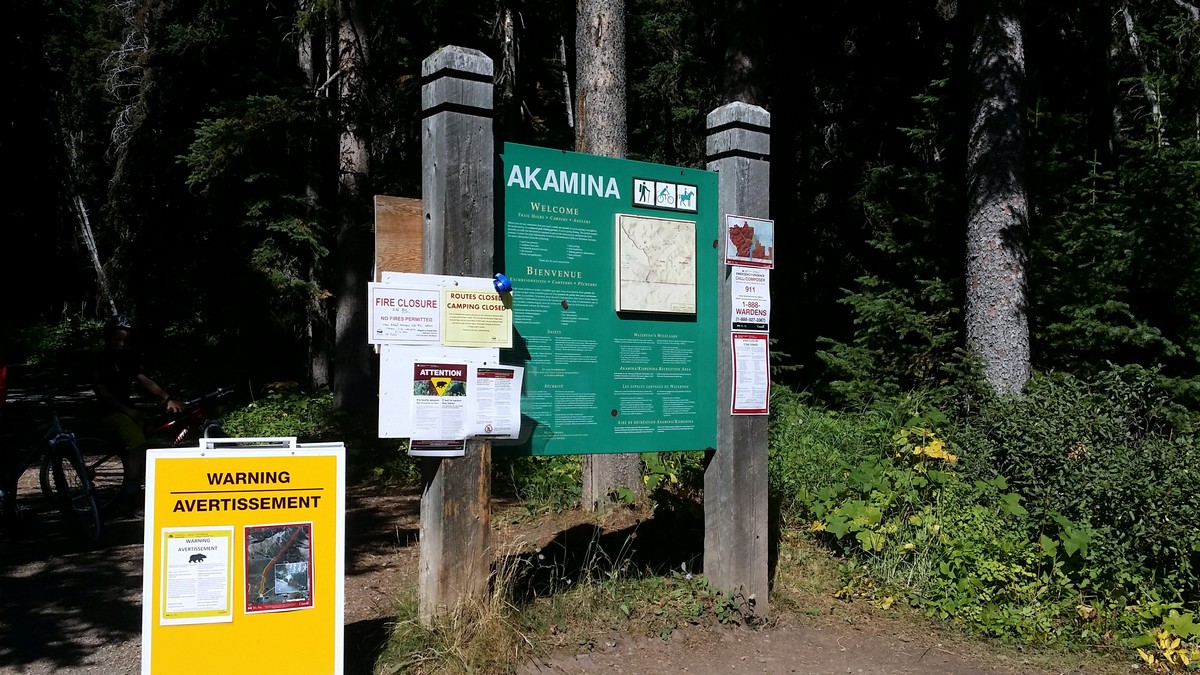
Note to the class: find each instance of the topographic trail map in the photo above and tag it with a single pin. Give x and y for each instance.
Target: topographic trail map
(278, 567)
(656, 266)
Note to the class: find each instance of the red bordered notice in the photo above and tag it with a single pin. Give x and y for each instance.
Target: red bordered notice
(751, 373)
(279, 574)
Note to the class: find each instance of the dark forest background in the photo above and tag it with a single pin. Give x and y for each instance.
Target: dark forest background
(199, 141)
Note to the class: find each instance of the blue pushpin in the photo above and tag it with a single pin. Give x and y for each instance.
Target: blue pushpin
(502, 284)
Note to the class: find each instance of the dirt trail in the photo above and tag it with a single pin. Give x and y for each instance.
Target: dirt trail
(68, 609)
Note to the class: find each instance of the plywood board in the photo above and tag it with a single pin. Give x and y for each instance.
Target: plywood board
(397, 235)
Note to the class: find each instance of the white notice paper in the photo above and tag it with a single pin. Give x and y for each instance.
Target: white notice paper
(197, 575)
(396, 379)
(496, 401)
(750, 292)
(751, 373)
(438, 408)
(404, 314)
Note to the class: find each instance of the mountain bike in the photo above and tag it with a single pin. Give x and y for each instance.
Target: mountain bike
(106, 464)
(62, 461)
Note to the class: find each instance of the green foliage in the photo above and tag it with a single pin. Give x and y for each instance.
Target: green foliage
(674, 480)
(956, 549)
(386, 462)
(804, 442)
(671, 88)
(541, 483)
(906, 306)
(1117, 243)
(1068, 514)
(256, 154)
(307, 417)
(682, 598)
(64, 342)
(1104, 452)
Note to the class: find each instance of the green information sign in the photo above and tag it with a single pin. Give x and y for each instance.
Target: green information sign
(614, 267)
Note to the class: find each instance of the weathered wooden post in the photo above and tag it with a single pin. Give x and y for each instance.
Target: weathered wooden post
(457, 186)
(736, 527)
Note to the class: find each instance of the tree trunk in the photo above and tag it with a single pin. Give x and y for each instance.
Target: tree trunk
(1147, 87)
(743, 74)
(600, 130)
(352, 379)
(312, 54)
(997, 322)
(600, 78)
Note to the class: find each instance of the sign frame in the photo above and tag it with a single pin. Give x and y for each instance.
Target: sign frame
(224, 482)
(601, 376)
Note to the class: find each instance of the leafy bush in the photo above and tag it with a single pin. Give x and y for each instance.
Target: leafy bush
(308, 417)
(807, 444)
(67, 341)
(957, 549)
(674, 483)
(966, 527)
(542, 483)
(1103, 452)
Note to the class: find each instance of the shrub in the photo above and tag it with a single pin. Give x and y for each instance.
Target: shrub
(912, 525)
(66, 342)
(806, 445)
(1102, 452)
(541, 483)
(308, 417)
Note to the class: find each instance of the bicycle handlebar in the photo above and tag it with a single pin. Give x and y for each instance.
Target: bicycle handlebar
(219, 392)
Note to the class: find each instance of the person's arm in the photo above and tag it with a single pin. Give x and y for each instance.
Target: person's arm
(155, 390)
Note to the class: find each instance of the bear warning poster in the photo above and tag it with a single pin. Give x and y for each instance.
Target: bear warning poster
(197, 571)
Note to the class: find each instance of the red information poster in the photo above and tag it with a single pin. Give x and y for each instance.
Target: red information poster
(279, 567)
(751, 374)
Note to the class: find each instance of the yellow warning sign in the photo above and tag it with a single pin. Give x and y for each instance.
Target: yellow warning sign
(244, 549)
(440, 384)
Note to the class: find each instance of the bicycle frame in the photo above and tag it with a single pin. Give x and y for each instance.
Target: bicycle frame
(195, 416)
(27, 456)
(71, 488)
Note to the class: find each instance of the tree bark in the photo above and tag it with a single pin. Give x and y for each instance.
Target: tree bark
(352, 379)
(744, 37)
(1147, 88)
(313, 57)
(600, 125)
(600, 129)
(997, 323)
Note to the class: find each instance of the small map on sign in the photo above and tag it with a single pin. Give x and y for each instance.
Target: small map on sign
(279, 567)
(656, 265)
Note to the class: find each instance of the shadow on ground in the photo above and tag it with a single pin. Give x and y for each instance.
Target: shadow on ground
(60, 600)
(64, 605)
(666, 542)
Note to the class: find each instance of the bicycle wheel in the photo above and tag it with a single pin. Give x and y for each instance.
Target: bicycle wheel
(105, 466)
(105, 463)
(75, 491)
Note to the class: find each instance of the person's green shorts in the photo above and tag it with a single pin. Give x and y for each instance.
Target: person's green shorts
(126, 430)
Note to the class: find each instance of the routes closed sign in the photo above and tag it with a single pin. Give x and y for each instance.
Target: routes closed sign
(243, 563)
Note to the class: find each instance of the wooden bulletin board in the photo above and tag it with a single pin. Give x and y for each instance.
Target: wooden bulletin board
(397, 235)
